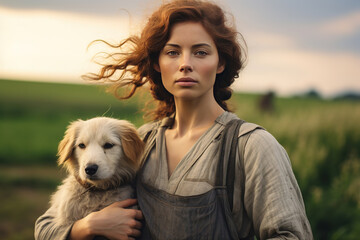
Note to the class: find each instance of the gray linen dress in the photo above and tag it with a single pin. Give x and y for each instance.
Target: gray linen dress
(272, 206)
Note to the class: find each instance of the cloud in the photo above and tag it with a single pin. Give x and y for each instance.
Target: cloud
(268, 40)
(293, 70)
(281, 63)
(42, 44)
(345, 25)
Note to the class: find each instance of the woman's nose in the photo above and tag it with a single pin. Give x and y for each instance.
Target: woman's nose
(185, 64)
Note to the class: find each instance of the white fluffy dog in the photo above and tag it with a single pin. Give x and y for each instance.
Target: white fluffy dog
(101, 156)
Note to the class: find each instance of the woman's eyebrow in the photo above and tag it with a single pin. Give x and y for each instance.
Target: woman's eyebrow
(193, 46)
(201, 45)
(172, 45)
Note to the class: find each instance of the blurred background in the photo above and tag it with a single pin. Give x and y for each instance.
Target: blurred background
(301, 83)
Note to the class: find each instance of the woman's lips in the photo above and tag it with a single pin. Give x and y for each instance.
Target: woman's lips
(186, 82)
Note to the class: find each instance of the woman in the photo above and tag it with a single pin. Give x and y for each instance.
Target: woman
(193, 183)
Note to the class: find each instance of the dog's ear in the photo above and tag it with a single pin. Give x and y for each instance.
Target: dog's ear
(66, 146)
(132, 144)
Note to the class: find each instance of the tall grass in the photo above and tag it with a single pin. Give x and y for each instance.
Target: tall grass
(322, 138)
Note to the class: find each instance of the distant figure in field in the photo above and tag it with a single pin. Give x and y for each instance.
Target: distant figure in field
(266, 102)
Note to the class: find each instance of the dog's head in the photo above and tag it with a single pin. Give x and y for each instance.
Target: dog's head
(101, 152)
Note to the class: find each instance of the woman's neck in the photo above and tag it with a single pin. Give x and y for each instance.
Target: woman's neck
(194, 114)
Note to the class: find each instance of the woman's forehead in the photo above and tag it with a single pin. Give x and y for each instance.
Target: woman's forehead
(189, 33)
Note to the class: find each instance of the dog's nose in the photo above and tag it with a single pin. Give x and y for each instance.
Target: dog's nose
(91, 170)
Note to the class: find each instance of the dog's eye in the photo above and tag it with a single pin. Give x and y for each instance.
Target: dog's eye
(81, 145)
(108, 145)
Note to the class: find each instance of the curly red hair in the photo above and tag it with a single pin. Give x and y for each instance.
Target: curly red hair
(143, 53)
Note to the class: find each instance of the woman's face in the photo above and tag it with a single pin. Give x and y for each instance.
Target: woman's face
(189, 62)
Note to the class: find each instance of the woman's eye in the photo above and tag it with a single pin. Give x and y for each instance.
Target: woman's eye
(108, 145)
(82, 146)
(201, 53)
(172, 53)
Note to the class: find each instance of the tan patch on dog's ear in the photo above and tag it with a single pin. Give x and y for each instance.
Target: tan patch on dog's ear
(66, 146)
(132, 144)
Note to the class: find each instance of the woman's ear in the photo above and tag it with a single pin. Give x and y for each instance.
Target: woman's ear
(66, 146)
(157, 67)
(221, 68)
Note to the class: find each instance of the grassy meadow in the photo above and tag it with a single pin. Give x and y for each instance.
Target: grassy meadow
(322, 138)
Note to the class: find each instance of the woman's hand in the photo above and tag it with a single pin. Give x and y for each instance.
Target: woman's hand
(114, 222)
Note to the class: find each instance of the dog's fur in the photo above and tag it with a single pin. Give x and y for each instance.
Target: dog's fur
(112, 145)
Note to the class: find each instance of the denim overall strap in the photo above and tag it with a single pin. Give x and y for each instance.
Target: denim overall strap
(204, 216)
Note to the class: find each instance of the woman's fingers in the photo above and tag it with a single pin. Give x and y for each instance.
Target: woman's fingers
(125, 203)
(137, 214)
(132, 232)
(117, 221)
(137, 225)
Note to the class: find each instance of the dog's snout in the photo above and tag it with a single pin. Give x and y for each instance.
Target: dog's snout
(91, 170)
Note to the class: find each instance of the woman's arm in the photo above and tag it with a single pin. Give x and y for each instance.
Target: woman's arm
(272, 196)
(114, 222)
(46, 227)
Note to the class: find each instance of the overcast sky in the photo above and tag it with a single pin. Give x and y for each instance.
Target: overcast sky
(293, 45)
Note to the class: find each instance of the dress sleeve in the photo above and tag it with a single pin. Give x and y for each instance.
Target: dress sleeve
(46, 228)
(272, 197)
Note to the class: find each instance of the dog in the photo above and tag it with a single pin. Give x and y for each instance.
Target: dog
(101, 156)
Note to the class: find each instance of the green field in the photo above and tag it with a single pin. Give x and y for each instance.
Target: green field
(322, 138)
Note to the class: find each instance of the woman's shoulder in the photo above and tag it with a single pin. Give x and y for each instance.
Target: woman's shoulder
(249, 128)
(147, 127)
(259, 142)
(257, 135)
(154, 125)
(246, 127)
